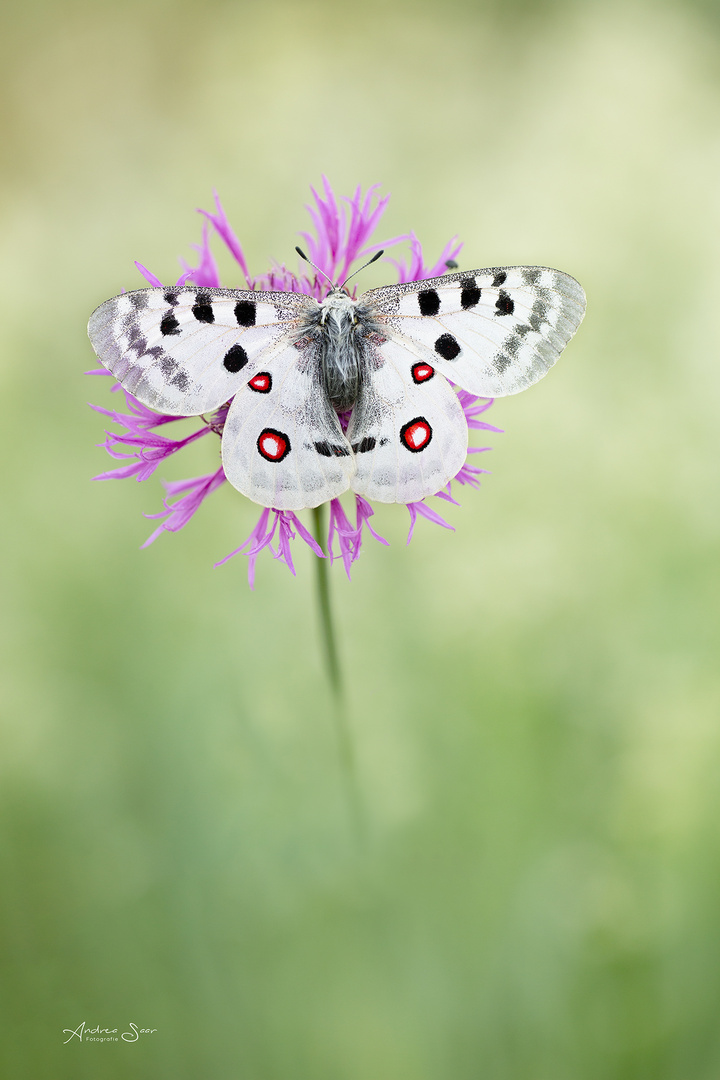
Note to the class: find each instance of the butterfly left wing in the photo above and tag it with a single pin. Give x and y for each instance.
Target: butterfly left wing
(185, 350)
(493, 332)
(407, 429)
(282, 443)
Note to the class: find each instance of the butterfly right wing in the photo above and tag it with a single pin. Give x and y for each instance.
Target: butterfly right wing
(407, 429)
(186, 350)
(493, 332)
(282, 443)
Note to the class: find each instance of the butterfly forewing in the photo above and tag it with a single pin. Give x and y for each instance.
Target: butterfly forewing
(187, 350)
(493, 332)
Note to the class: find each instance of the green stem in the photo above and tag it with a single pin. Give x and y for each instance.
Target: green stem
(334, 673)
(327, 627)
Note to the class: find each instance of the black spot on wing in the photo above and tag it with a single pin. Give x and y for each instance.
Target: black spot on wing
(245, 312)
(499, 279)
(505, 304)
(428, 302)
(470, 294)
(447, 347)
(366, 444)
(170, 297)
(235, 359)
(202, 308)
(327, 449)
(169, 324)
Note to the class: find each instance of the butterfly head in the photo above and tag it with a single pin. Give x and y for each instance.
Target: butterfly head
(338, 308)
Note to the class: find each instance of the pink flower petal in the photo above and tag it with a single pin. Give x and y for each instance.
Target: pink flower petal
(149, 276)
(221, 225)
(421, 509)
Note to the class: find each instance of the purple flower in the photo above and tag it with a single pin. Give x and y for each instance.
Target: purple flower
(341, 236)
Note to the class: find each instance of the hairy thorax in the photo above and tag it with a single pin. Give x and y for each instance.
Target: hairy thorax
(343, 327)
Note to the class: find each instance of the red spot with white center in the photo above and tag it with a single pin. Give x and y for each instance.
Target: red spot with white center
(416, 434)
(273, 445)
(422, 372)
(262, 382)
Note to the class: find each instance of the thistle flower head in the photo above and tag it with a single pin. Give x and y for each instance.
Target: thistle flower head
(341, 235)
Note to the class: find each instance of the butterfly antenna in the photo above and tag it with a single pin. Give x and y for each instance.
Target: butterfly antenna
(302, 255)
(375, 258)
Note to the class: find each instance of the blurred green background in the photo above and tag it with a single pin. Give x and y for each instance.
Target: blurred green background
(535, 697)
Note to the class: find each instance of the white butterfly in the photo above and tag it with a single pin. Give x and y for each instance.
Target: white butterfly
(291, 364)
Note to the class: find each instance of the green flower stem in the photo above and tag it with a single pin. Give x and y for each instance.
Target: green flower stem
(334, 673)
(332, 658)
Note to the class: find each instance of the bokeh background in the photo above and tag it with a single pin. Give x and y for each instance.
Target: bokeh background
(535, 698)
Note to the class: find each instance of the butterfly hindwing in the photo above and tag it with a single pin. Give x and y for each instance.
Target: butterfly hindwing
(282, 444)
(407, 430)
(493, 332)
(187, 350)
